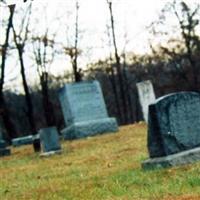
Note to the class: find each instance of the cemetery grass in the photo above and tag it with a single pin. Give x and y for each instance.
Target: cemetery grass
(105, 167)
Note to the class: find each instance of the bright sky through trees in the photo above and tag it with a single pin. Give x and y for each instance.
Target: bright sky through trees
(131, 19)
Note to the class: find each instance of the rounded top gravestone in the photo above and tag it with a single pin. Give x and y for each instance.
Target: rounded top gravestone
(174, 124)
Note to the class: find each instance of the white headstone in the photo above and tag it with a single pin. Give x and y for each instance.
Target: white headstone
(146, 96)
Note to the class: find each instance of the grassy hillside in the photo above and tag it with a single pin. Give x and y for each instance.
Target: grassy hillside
(105, 167)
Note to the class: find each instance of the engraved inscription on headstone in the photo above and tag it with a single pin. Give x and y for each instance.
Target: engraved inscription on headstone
(174, 127)
(87, 101)
(146, 96)
(84, 110)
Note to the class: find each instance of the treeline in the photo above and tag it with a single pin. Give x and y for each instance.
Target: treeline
(164, 76)
(172, 67)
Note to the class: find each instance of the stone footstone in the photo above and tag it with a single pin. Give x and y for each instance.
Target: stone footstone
(182, 158)
(49, 139)
(16, 142)
(85, 111)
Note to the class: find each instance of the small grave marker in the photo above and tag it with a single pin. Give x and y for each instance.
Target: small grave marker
(49, 139)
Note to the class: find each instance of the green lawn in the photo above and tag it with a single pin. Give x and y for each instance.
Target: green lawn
(105, 167)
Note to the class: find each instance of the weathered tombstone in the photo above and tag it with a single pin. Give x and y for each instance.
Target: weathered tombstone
(16, 142)
(174, 130)
(84, 110)
(49, 139)
(146, 96)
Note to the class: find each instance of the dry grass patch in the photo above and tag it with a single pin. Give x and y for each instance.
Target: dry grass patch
(101, 167)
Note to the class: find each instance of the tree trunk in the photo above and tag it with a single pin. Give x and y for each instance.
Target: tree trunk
(113, 83)
(4, 112)
(130, 117)
(29, 104)
(118, 66)
(20, 48)
(29, 113)
(47, 105)
(76, 73)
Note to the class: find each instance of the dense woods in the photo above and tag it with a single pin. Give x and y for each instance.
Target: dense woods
(172, 66)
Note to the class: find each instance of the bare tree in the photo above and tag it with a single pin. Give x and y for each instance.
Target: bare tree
(112, 75)
(4, 111)
(118, 65)
(188, 22)
(73, 52)
(43, 48)
(20, 40)
(182, 52)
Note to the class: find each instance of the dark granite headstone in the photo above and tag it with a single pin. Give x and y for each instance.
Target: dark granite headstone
(174, 126)
(84, 110)
(49, 139)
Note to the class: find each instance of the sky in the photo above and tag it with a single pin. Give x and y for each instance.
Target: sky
(131, 20)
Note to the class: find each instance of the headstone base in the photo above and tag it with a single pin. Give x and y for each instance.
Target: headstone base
(4, 152)
(50, 153)
(182, 158)
(90, 128)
